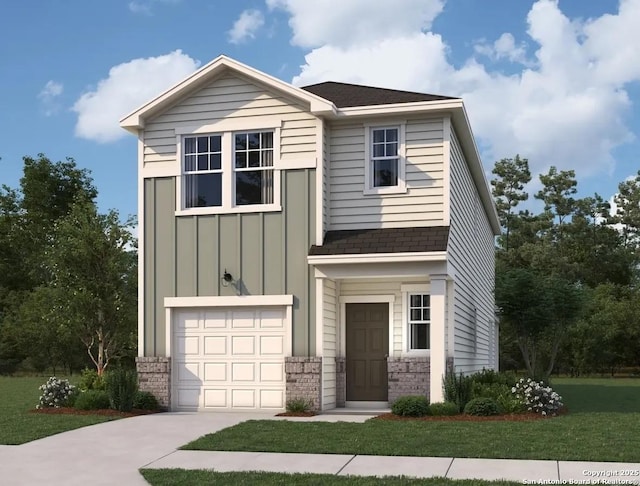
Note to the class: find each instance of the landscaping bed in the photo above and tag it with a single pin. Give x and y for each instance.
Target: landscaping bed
(512, 417)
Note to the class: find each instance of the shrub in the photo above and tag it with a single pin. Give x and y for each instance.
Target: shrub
(92, 400)
(492, 377)
(55, 393)
(536, 397)
(411, 406)
(482, 407)
(121, 386)
(440, 409)
(91, 380)
(457, 389)
(144, 400)
(298, 405)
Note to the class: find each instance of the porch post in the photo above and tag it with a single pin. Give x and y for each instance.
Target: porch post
(437, 337)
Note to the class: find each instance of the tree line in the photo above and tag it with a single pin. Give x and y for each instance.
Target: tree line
(68, 276)
(566, 288)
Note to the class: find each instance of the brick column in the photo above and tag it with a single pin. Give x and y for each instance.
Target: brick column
(304, 379)
(154, 376)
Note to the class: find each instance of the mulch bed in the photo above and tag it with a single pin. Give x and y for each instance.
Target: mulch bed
(516, 417)
(108, 412)
(296, 414)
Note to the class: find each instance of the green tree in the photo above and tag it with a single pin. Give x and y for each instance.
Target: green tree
(92, 263)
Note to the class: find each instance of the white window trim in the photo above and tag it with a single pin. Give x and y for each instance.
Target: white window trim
(401, 188)
(227, 129)
(407, 290)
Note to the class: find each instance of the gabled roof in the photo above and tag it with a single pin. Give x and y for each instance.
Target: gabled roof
(135, 120)
(384, 240)
(344, 95)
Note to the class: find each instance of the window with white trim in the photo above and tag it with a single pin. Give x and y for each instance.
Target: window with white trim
(384, 159)
(229, 171)
(202, 171)
(253, 154)
(419, 316)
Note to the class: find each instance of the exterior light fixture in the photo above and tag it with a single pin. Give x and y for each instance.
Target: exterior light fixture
(226, 279)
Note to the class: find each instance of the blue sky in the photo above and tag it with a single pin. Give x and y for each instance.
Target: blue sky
(557, 82)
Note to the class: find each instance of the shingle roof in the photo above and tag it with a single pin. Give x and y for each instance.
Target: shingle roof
(385, 240)
(344, 95)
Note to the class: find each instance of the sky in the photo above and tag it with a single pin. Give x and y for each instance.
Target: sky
(554, 81)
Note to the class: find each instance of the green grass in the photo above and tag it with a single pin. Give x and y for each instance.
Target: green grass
(604, 425)
(18, 425)
(175, 477)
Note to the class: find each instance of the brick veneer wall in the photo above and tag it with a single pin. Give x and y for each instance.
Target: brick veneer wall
(154, 376)
(304, 379)
(341, 382)
(408, 376)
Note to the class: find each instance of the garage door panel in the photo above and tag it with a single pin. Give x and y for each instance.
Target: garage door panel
(271, 345)
(215, 345)
(242, 345)
(227, 359)
(215, 372)
(243, 372)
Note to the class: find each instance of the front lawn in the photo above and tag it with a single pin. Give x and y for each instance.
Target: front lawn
(18, 425)
(603, 425)
(176, 477)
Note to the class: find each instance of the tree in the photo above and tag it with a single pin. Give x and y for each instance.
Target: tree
(508, 189)
(628, 211)
(92, 264)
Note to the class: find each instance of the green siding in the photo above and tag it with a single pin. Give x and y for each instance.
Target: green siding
(265, 252)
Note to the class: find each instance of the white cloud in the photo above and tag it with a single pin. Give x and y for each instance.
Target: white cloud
(145, 7)
(49, 95)
(246, 26)
(355, 22)
(128, 86)
(565, 106)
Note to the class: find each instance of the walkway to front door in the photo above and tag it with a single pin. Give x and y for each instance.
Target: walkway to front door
(367, 347)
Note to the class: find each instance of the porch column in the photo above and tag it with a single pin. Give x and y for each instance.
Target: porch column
(437, 337)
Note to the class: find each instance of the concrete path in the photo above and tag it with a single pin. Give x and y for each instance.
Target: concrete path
(111, 454)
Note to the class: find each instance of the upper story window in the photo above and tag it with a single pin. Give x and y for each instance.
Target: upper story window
(384, 160)
(253, 168)
(229, 172)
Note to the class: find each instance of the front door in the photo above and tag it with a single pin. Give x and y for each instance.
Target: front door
(367, 348)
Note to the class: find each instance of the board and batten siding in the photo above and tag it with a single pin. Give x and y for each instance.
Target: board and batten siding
(187, 255)
(471, 254)
(230, 97)
(329, 343)
(422, 205)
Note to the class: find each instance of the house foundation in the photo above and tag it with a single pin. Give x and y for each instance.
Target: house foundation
(154, 376)
(304, 380)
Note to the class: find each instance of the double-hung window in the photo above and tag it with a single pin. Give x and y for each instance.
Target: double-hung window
(253, 168)
(384, 164)
(203, 171)
(419, 314)
(229, 171)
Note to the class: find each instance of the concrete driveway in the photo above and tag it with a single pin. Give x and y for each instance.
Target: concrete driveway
(109, 453)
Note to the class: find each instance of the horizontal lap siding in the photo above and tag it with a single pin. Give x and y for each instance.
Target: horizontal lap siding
(231, 97)
(422, 205)
(471, 254)
(330, 344)
(325, 178)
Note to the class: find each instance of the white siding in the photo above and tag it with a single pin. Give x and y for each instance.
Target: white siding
(422, 205)
(326, 175)
(230, 97)
(471, 254)
(329, 344)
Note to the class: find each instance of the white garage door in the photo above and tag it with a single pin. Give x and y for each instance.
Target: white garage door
(229, 359)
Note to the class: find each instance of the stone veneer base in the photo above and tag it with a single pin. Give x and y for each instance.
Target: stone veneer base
(154, 376)
(304, 380)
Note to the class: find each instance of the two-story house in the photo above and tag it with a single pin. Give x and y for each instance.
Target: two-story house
(332, 242)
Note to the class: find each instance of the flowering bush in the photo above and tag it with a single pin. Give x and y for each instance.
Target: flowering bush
(55, 393)
(536, 397)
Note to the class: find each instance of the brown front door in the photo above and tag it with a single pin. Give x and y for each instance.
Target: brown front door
(367, 348)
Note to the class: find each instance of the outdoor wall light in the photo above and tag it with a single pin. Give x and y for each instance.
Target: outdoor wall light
(226, 279)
